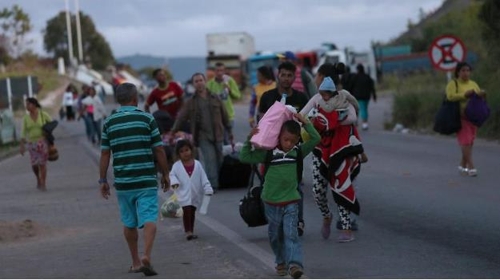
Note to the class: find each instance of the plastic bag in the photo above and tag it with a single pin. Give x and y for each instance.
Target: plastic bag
(270, 126)
(171, 208)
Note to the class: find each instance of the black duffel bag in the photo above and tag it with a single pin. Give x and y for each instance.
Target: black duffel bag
(447, 120)
(251, 206)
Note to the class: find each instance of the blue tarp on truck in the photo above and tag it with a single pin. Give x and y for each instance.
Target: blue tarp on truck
(414, 62)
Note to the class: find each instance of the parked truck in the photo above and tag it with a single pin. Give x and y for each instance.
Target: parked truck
(232, 49)
(350, 58)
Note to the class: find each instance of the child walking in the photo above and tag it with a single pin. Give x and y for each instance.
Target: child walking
(280, 194)
(190, 183)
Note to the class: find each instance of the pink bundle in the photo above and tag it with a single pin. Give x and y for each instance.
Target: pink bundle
(270, 126)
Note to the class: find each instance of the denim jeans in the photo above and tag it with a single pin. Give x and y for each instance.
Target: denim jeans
(89, 127)
(226, 133)
(283, 234)
(97, 130)
(211, 159)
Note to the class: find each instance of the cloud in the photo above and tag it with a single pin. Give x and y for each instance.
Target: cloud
(179, 27)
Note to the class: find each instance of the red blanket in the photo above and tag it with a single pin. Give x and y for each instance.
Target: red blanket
(338, 150)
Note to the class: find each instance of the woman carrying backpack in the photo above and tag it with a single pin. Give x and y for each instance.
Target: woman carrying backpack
(461, 90)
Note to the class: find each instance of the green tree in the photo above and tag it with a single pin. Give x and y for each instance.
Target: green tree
(489, 15)
(96, 49)
(461, 23)
(15, 24)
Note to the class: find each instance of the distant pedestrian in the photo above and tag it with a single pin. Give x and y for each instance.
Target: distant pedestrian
(297, 99)
(363, 88)
(33, 139)
(227, 89)
(461, 89)
(99, 89)
(346, 80)
(85, 112)
(167, 95)
(132, 136)
(208, 119)
(68, 103)
(190, 183)
(280, 194)
(95, 116)
(267, 82)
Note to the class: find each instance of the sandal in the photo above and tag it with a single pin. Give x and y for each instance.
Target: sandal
(472, 172)
(134, 270)
(191, 237)
(147, 268)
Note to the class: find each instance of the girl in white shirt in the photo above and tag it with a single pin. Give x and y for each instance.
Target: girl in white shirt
(190, 182)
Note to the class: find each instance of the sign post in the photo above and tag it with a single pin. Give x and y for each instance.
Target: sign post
(445, 52)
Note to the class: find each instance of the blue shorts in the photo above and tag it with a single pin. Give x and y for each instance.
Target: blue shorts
(138, 207)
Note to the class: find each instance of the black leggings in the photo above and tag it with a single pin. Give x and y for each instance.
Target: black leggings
(188, 217)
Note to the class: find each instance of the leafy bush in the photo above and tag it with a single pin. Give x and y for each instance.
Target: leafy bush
(419, 96)
(416, 107)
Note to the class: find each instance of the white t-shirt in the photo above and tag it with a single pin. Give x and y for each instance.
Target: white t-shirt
(68, 99)
(99, 109)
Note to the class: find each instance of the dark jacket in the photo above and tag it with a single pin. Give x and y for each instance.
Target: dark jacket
(189, 113)
(363, 87)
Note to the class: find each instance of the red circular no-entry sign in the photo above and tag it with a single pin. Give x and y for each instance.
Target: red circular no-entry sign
(446, 51)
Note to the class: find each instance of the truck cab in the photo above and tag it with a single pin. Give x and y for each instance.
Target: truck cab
(334, 56)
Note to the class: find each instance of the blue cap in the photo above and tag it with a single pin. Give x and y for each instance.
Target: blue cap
(327, 85)
(289, 55)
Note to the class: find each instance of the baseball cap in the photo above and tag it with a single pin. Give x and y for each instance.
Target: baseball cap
(287, 55)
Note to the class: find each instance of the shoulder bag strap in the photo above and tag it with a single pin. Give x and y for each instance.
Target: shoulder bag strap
(300, 164)
(41, 116)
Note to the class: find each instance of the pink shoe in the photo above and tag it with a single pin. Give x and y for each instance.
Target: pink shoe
(325, 229)
(345, 236)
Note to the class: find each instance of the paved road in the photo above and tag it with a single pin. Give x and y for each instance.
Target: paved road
(420, 219)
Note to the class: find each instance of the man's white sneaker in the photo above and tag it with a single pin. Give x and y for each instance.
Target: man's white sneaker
(364, 126)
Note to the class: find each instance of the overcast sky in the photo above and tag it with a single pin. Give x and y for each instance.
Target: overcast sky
(178, 27)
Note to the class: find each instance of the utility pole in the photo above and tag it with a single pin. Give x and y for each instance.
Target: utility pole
(79, 32)
(68, 30)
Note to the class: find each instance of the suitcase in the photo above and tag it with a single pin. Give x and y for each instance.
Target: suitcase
(233, 173)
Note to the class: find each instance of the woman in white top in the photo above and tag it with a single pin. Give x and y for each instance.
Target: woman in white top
(68, 103)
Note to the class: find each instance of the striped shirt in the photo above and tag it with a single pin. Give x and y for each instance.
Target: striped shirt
(297, 83)
(131, 134)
